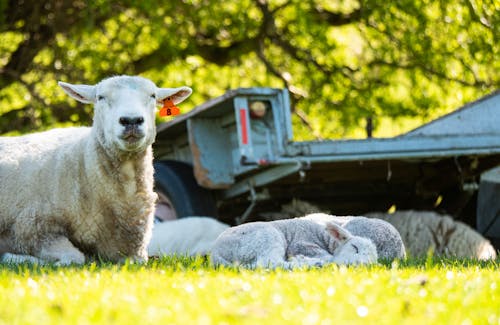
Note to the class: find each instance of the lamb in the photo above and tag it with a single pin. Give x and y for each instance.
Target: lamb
(67, 194)
(424, 231)
(290, 243)
(386, 238)
(189, 236)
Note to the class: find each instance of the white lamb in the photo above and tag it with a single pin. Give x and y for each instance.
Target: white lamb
(187, 236)
(67, 193)
(424, 231)
(289, 244)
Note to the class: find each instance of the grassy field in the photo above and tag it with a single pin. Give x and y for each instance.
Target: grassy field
(189, 291)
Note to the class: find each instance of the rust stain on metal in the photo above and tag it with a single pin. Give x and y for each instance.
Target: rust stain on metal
(201, 173)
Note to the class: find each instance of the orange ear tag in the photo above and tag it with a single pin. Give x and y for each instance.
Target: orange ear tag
(169, 108)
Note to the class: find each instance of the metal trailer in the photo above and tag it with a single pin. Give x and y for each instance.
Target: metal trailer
(234, 156)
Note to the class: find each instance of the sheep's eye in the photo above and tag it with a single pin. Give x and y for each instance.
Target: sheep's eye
(356, 248)
(100, 97)
(153, 96)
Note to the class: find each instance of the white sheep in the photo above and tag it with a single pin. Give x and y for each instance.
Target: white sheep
(424, 231)
(67, 193)
(190, 236)
(289, 244)
(187, 236)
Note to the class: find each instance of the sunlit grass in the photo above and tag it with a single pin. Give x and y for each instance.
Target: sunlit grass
(190, 291)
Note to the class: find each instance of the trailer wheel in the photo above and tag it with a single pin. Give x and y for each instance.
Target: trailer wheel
(488, 206)
(179, 195)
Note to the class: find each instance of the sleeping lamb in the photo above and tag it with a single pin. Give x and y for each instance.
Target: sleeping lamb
(289, 244)
(385, 237)
(67, 193)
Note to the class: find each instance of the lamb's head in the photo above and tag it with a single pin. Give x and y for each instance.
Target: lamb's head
(124, 109)
(350, 249)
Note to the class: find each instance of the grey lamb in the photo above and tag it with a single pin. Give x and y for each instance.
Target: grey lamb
(385, 236)
(289, 244)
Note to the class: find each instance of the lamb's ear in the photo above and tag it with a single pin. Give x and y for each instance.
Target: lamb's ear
(337, 231)
(176, 94)
(82, 93)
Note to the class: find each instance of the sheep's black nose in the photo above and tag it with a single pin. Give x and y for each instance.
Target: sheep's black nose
(131, 121)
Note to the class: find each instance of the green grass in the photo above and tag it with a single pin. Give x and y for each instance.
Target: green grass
(189, 291)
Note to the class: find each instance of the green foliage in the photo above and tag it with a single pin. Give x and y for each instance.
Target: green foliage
(343, 61)
(176, 290)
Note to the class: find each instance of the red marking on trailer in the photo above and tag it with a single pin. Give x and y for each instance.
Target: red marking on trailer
(244, 128)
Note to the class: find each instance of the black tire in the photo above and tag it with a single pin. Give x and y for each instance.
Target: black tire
(488, 211)
(176, 181)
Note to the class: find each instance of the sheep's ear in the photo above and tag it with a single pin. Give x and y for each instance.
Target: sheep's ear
(82, 93)
(337, 231)
(176, 94)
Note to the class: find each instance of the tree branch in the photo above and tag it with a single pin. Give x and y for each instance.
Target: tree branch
(410, 62)
(220, 55)
(21, 59)
(430, 71)
(292, 89)
(338, 18)
(15, 120)
(480, 18)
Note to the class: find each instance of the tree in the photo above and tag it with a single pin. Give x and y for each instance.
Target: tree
(342, 61)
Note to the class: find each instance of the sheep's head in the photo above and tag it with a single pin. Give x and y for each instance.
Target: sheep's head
(124, 109)
(352, 249)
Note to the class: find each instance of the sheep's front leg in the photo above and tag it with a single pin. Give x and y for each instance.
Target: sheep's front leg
(306, 261)
(307, 254)
(272, 258)
(275, 259)
(10, 258)
(61, 251)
